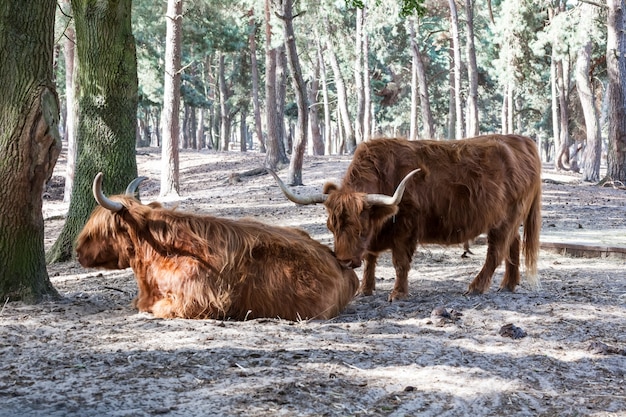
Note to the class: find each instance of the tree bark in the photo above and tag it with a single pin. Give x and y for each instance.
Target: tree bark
(107, 103)
(254, 69)
(317, 143)
(224, 107)
(413, 128)
(456, 48)
(323, 78)
(586, 94)
(299, 87)
(271, 106)
(342, 99)
(472, 74)
(171, 100)
(29, 145)
(358, 76)
(281, 97)
(69, 44)
(616, 68)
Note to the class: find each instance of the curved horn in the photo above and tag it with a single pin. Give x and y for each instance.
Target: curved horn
(131, 190)
(298, 199)
(105, 202)
(385, 200)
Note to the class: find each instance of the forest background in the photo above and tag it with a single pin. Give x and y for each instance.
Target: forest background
(285, 78)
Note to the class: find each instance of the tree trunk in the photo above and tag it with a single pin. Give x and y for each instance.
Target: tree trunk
(281, 97)
(472, 74)
(413, 129)
(616, 68)
(171, 100)
(224, 107)
(29, 144)
(456, 48)
(593, 147)
(254, 69)
(316, 135)
(563, 156)
(358, 76)
(327, 120)
(367, 88)
(299, 87)
(452, 98)
(200, 139)
(271, 104)
(70, 105)
(342, 99)
(424, 98)
(107, 115)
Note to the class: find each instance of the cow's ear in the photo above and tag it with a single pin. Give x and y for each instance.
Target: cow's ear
(329, 187)
(380, 213)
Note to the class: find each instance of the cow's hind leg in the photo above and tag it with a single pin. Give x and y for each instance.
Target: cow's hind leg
(496, 243)
(511, 274)
(368, 284)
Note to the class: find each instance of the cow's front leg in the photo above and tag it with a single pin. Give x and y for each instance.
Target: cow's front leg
(368, 284)
(402, 263)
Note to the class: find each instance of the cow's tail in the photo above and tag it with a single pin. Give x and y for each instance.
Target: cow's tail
(532, 230)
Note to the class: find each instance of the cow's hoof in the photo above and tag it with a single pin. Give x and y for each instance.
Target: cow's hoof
(396, 296)
(365, 292)
(473, 291)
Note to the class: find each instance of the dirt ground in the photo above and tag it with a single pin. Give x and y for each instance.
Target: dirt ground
(91, 354)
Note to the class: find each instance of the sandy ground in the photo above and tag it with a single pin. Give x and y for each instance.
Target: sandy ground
(91, 354)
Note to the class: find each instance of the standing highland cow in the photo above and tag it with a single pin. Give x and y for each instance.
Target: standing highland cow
(459, 189)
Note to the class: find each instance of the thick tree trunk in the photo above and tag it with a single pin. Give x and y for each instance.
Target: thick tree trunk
(107, 103)
(171, 100)
(254, 72)
(563, 155)
(593, 147)
(472, 73)
(367, 89)
(413, 128)
(616, 68)
(200, 139)
(29, 146)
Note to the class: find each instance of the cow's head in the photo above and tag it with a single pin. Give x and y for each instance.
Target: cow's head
(105, 242)
(354, 217)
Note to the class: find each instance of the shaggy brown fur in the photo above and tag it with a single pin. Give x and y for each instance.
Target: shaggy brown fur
(489, 184)
(193, 266)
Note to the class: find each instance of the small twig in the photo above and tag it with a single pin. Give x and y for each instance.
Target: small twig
(114, 289)
(241, 367)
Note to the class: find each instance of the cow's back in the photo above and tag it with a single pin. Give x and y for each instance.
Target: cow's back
(465, 187)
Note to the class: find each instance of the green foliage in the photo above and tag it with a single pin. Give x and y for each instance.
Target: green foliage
(407, 7)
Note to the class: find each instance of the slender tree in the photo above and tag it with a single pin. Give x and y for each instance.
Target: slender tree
(271, 114)
(107, 110)
(456, 49)
(29, 145)
(170, 121)
(69, 43)
(616, 67)
(299, 87)
(472, 73)
(586, 93)
(254, 67)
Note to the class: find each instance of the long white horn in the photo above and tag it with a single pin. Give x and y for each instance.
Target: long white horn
(298, 199)
(385, 200)
(105, 202)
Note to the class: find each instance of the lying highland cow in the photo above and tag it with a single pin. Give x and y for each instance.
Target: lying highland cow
(459, 190)
(194, 266)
